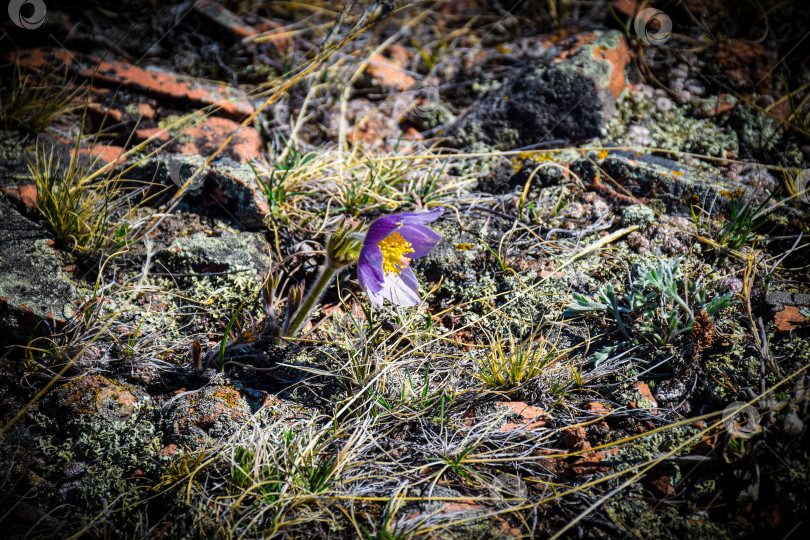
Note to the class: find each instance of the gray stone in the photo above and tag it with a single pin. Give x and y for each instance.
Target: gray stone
(202, 255)
(224, 188)
(676, 185)
(35, 293)
(779, 300)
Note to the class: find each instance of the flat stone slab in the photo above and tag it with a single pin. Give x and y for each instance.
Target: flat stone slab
(223, 187)
(203, 254)
(35, 293)
(790, 311)
(650, 177)
(231, 101)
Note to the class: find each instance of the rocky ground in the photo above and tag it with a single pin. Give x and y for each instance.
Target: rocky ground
(614, 337)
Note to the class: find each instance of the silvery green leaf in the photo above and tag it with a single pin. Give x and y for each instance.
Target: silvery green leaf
(583, 304)
(604, 353)
(719, 303)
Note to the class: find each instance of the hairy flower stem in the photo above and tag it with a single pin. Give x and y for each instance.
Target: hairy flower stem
(301, 315)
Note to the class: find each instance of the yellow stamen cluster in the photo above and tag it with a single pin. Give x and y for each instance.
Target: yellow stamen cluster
(394, 248)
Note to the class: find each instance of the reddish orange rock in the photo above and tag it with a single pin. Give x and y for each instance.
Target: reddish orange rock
(108, 113)
(593, 462)
(412, 134)
(273, 32)
(532, 417)
(746, 63)
(399, 55)
(608, 47)
(388, 73)
(26, 194)
(224, 18)
(158, 133)
(574, 439)
(106, 152)
(647, 401)
(368, 130)
(722, 105)
(660, 480)
(598, 408)
(207, 137)
(194, 415)
(618, 58)
(626, 8)
(789, 319)
(146, 110)
(169, 451)
(231, 101)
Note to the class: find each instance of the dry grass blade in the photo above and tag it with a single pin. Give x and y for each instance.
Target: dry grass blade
(34, 100)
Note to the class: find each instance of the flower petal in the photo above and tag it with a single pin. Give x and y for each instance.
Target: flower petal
(422, 239)
(369, 268)
(382, 227)
(401, 289)
(421, 218)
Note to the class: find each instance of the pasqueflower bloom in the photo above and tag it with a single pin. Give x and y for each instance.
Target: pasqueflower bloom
(390, 244)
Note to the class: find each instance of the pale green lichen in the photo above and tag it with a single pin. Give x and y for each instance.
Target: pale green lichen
(106, 451)
(672, 129)
(643, 520)
(639, 215)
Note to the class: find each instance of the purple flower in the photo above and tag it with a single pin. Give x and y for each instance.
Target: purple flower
(390, 244)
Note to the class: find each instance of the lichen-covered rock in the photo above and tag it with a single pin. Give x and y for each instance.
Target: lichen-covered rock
(35, 293)
(638, 395)
(570, 100)
(81, 445)
(675, 184)
(98, 395)
(151, 81)
(207, 255)
(637, 214)
(458, 256)
(226, 268)
(223, 183)
(12, 165)
(757, 132)
(647, 117)
(661, 522)
(200, 418)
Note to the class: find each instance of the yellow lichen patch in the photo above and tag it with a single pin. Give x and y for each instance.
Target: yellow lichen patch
(394, 248)
(732, 194)
(463, 247)
(539, 156)
(230, 396)
(602, 154)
